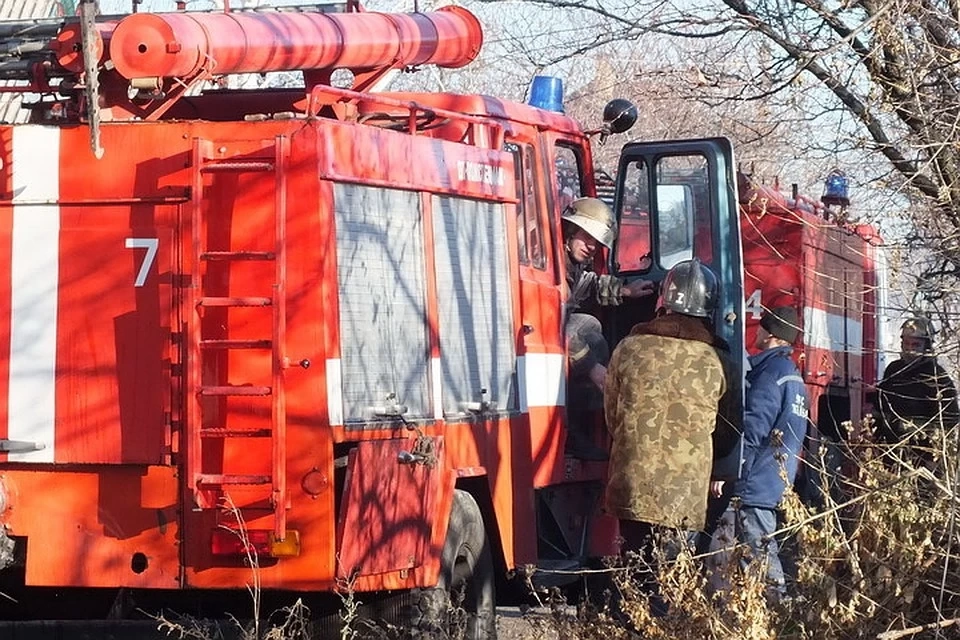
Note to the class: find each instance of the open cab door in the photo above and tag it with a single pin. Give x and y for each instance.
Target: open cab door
(675, 201)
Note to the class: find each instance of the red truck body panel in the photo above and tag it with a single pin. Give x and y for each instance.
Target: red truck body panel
(795, 256)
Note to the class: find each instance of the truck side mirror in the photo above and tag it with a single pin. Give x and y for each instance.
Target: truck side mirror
(619, 115)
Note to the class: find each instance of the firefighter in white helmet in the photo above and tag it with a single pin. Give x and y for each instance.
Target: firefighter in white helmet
(916, 396)
(587, 224)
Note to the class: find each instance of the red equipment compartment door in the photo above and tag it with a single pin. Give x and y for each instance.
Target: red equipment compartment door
(89, 336)
(825, 302)
(113, 342)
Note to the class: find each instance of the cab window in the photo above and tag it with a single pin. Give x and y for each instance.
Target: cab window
(632, 252)
(530, 244)
(683, 210)
(680, 227)
(675, 231)
(569, 184)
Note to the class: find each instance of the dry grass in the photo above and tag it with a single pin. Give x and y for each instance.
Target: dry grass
(874, 559)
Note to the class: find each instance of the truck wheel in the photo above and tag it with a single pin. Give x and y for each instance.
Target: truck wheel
(462, 605)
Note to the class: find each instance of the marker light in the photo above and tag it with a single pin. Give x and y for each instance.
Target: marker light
(227, 542)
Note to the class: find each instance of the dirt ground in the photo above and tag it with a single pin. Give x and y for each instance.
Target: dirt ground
(535, 625)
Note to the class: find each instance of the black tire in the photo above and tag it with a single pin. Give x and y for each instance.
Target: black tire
(463, 604)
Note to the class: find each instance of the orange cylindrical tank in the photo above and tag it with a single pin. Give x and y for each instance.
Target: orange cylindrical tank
(148, 45)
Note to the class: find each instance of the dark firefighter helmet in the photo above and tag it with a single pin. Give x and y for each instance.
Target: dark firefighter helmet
(918, 327)
(593, 216)
(689, 288)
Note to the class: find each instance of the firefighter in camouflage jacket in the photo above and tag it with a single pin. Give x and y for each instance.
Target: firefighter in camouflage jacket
(663, 387)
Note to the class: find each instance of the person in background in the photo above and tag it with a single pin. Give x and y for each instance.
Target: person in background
(664, 385)
(588, 224)
(916, 396)
(774, 426)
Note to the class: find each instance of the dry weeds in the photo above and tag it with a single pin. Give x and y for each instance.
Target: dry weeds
(871, 557)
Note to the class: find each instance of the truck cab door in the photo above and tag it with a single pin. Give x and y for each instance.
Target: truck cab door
(675, 201)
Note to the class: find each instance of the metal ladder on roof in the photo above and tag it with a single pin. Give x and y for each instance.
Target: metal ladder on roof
(209, 478)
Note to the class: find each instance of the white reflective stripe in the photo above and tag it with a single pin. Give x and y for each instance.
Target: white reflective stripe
(831, 331)
(522, 383)
(854, 337)
(334, 392)
(791, 378)
(34, 284)
(542, 380)
(886, 334)
(435, 373)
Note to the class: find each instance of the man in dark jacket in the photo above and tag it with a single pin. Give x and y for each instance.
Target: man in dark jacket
(588, 223)
(774, 425)
(916, 396)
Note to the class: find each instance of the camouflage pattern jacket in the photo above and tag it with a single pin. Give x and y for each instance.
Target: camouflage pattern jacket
(664, 383)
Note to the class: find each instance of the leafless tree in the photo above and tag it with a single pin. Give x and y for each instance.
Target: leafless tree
(803, 86)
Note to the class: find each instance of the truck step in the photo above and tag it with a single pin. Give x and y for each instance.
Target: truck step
(557, 573)
(233, 167)
(235, 390)
(248, 301)
(236, 344)
(235, 433)
(238, 255)
(222, 479)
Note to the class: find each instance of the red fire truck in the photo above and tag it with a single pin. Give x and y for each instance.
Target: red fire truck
(318, 330)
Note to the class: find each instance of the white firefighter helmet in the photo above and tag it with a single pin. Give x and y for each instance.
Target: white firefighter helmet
(593, 216)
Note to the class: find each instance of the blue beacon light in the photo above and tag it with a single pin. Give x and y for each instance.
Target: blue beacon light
(546, 92)
(836, 189)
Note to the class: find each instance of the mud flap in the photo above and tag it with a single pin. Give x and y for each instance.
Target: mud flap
(392, 497)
